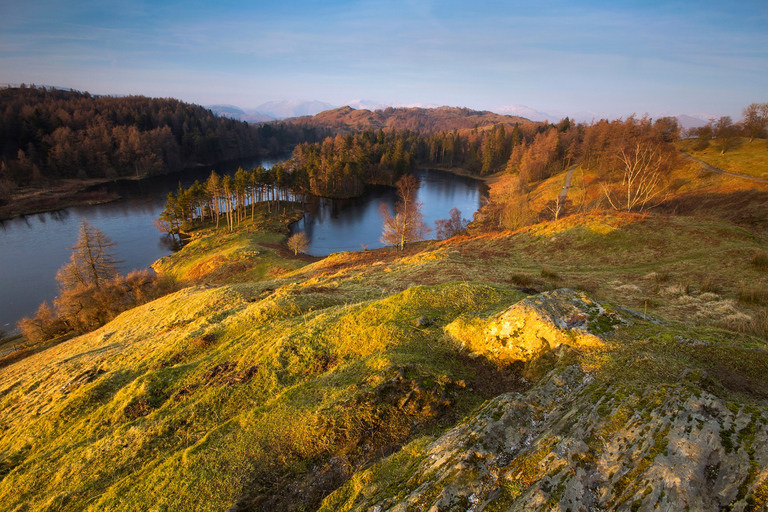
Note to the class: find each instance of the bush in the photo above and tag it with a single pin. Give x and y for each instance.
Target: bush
(43, 326)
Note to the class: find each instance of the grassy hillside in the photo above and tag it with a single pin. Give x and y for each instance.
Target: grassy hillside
(745, 157)
(275, 391)
(275, 383)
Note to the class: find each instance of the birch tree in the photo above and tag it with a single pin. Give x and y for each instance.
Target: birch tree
(407, 225)
(643, 167)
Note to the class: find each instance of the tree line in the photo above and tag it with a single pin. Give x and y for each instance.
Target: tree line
(723, 132)
(49, 134)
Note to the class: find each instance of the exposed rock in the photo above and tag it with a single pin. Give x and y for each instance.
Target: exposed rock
(576, 445)
(538, 324)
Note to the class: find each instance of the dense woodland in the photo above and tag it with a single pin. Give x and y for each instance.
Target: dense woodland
(49, 134)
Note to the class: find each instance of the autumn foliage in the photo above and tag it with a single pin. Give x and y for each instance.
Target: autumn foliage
(91, 290)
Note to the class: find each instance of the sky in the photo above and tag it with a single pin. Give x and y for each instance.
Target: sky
(612, 58)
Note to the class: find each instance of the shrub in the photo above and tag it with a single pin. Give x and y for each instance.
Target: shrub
(44, 325)
(88, 307)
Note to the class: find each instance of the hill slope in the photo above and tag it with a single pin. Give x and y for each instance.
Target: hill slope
(424, 120)
(393, 380)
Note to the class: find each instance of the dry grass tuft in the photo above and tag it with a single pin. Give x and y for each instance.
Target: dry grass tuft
(760, 261)
(752, 294)
(709, 285)
(550, 274)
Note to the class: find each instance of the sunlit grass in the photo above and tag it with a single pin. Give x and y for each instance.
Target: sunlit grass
(750, 158)
(200, 397)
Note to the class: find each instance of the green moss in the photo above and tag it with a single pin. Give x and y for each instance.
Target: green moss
(726, 439)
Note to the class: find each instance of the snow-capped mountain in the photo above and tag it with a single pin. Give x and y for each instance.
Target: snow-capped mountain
(526, 112)
(293, 108)
(233, 112)
(378, 105)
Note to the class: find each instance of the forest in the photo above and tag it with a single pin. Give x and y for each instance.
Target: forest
(51, 134)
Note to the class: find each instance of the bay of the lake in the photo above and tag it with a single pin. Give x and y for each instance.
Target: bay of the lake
(34, 247)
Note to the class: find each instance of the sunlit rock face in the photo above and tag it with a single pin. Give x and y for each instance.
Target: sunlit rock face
(538, 324)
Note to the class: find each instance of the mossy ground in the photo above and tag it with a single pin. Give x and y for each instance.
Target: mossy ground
(271, 368)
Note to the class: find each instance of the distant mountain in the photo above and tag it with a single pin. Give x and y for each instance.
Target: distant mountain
(367, 105)
(233, 112)
(687, 122)
(292, 108)
(526, 112)
(425, 120)
(377, 105)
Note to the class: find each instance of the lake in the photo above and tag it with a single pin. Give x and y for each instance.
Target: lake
(34, 247)
(334, 225)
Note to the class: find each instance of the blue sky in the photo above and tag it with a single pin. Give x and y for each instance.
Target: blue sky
(609, 57)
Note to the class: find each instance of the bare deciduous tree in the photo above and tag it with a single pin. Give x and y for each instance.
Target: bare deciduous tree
(755, 120)
(643, 168)
(452, 226)
(407, 225)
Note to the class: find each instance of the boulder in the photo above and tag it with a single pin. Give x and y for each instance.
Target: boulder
(536, 325)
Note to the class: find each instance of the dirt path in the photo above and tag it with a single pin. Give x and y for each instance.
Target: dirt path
(566, 185)
(717, 169)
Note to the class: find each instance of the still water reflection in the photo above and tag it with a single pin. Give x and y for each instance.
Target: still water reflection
(351, 224)
(34, 247)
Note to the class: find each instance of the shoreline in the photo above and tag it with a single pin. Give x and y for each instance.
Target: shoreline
(32, 201)
(66, 193)
(459, 171)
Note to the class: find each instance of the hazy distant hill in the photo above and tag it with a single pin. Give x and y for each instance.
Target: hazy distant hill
(526, 112)
(292, 108)
(424, 120)
(688, 122)
(233, 112)
(377, 105)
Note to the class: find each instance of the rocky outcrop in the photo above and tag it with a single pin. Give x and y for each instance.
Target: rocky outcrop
(536, 325)
(573, 444)
(576, 441)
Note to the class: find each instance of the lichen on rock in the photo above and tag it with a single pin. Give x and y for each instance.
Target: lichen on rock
(536, 325)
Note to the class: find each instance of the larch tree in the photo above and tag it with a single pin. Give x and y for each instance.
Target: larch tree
(407, 225)
(92, 263)
(85, 283)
